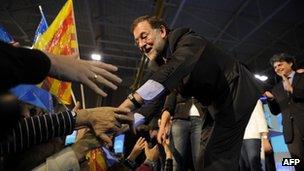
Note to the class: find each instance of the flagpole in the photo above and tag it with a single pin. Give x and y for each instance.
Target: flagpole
(79, 132)
(40, 9)
(41, 12)
(73, 97)
(81, 86)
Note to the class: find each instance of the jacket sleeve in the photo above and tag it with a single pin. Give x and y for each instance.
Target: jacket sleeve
(298, 89)
(274, 107)
(153, 108)
(37, 129)
(298, 93)
(170, 103)
(20, 65)
(187, 52)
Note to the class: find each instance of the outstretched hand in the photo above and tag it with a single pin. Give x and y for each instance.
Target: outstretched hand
(152, 154)
(103, 120)
(90, 73)
(138, 147)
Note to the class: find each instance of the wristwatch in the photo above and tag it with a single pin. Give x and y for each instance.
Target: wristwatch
(133, 100)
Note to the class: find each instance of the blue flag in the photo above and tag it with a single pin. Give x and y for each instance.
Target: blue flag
(5, 36)
(34, 95)
(42, 27)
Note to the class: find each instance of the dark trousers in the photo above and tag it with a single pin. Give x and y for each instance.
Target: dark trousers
(224, 147)
(250, 159)
(296, 148)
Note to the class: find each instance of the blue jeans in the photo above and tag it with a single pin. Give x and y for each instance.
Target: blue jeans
(183, 133)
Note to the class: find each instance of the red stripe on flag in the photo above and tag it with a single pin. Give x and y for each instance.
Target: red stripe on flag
(47, 83)
(61, 31)
(63, 88)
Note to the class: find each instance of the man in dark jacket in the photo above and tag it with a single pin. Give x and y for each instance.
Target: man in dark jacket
(287, 97)
(190, 63)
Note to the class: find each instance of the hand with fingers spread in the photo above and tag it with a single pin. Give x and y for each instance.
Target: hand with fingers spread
(90, 73)
(102, 120)
(138, 147)
(152, 154)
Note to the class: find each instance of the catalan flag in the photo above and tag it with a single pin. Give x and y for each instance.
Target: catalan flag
(60, 39)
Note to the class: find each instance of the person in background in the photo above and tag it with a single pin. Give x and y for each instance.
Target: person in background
(152, 156)
(287, 97)
(255, 135)
(137, 149)
(188, 118)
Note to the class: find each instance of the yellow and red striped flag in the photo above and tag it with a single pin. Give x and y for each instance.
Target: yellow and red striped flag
(60, 39)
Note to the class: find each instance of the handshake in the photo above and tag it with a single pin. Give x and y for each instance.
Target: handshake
(102, 122)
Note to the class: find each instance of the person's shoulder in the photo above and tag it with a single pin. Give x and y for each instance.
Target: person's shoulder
(184, 34)
(177, 33)
(181, 30)
(301, 74)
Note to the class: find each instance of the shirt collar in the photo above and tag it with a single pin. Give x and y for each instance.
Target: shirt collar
(291, 75)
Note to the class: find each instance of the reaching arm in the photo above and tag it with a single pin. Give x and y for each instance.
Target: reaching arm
(37, 129)
(188, 50)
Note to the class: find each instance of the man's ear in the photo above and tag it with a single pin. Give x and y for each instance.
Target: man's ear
(163, 31)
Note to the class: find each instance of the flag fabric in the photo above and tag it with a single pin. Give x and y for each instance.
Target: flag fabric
(60, 39)
(34, 95)
(42, 27)
(96, 160)
(5, 36)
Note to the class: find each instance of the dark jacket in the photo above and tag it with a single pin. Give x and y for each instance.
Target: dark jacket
(224, 85)
(179, 107)
(290, 105)
(21, 66)
(197, 68)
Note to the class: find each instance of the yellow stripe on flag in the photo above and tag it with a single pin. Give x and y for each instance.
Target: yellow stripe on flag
(60, 39)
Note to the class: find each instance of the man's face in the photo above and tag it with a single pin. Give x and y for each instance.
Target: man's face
(282, 68)
(150, 41)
